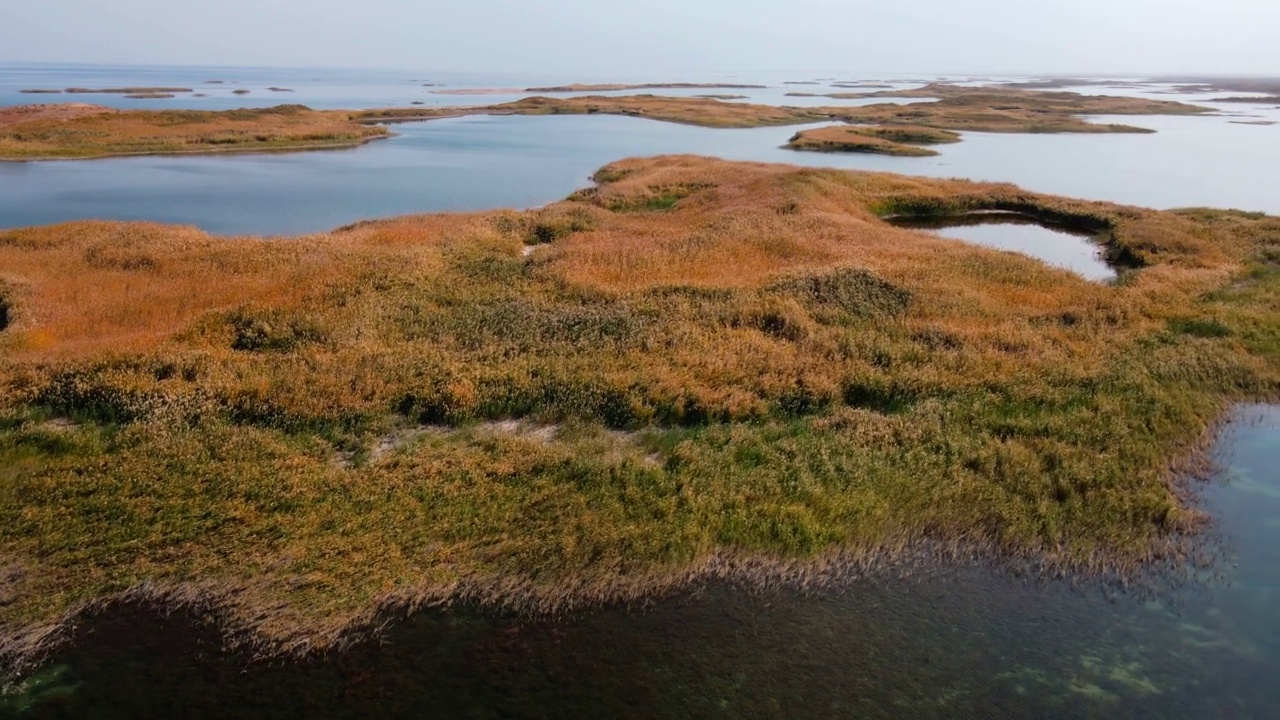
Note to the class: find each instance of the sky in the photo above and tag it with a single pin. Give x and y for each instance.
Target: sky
(597, 38)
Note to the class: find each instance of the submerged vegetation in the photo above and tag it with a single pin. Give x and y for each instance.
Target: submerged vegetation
(700, 367)
(87, 131)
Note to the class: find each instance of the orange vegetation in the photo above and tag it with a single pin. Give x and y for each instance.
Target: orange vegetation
(75, 130)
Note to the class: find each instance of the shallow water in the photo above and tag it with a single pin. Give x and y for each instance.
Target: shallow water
(948, 643)
(1057, 245)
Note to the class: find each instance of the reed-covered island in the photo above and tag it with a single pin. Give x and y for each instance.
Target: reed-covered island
(82, 131)
(902, 140)
(694, 368)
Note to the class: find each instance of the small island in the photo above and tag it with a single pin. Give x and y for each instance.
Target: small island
(78, 131)
(901, 140)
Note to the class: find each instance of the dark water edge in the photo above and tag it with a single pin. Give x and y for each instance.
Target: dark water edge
(946, 643)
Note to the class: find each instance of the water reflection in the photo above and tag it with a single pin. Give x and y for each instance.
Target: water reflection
(1079, 251)
(948, 643)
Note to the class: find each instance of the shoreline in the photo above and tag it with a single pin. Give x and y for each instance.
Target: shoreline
(269, 631)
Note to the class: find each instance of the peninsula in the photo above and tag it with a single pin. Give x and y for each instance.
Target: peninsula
(694, 368)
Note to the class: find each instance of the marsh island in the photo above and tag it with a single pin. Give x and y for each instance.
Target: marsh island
(694, 368)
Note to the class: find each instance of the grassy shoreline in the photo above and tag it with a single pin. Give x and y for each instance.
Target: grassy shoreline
(702, 367)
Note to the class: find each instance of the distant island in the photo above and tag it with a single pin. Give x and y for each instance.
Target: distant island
(643, 86)
(79, 130)
(902, 140)
(92, 131)
(601, 87)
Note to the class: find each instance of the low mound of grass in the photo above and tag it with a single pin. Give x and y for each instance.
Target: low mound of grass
(902, 140)
(417, 407)
(138, 132)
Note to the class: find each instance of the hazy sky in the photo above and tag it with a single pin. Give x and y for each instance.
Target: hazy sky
(651, 37)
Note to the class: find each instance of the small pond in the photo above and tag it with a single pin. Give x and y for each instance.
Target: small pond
(1078, 250)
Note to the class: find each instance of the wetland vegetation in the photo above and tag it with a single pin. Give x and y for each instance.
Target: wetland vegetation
(959, 108)
(696, 368)
(88, 131)
(903, 140)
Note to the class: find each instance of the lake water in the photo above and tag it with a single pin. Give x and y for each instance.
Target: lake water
(948, 643)
(486, 162)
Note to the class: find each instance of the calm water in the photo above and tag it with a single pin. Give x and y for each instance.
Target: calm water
(955, 643)
(485, 162)
(1078, 251)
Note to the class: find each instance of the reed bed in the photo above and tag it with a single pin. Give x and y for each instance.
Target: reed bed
(87, 131)
(901, 140)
